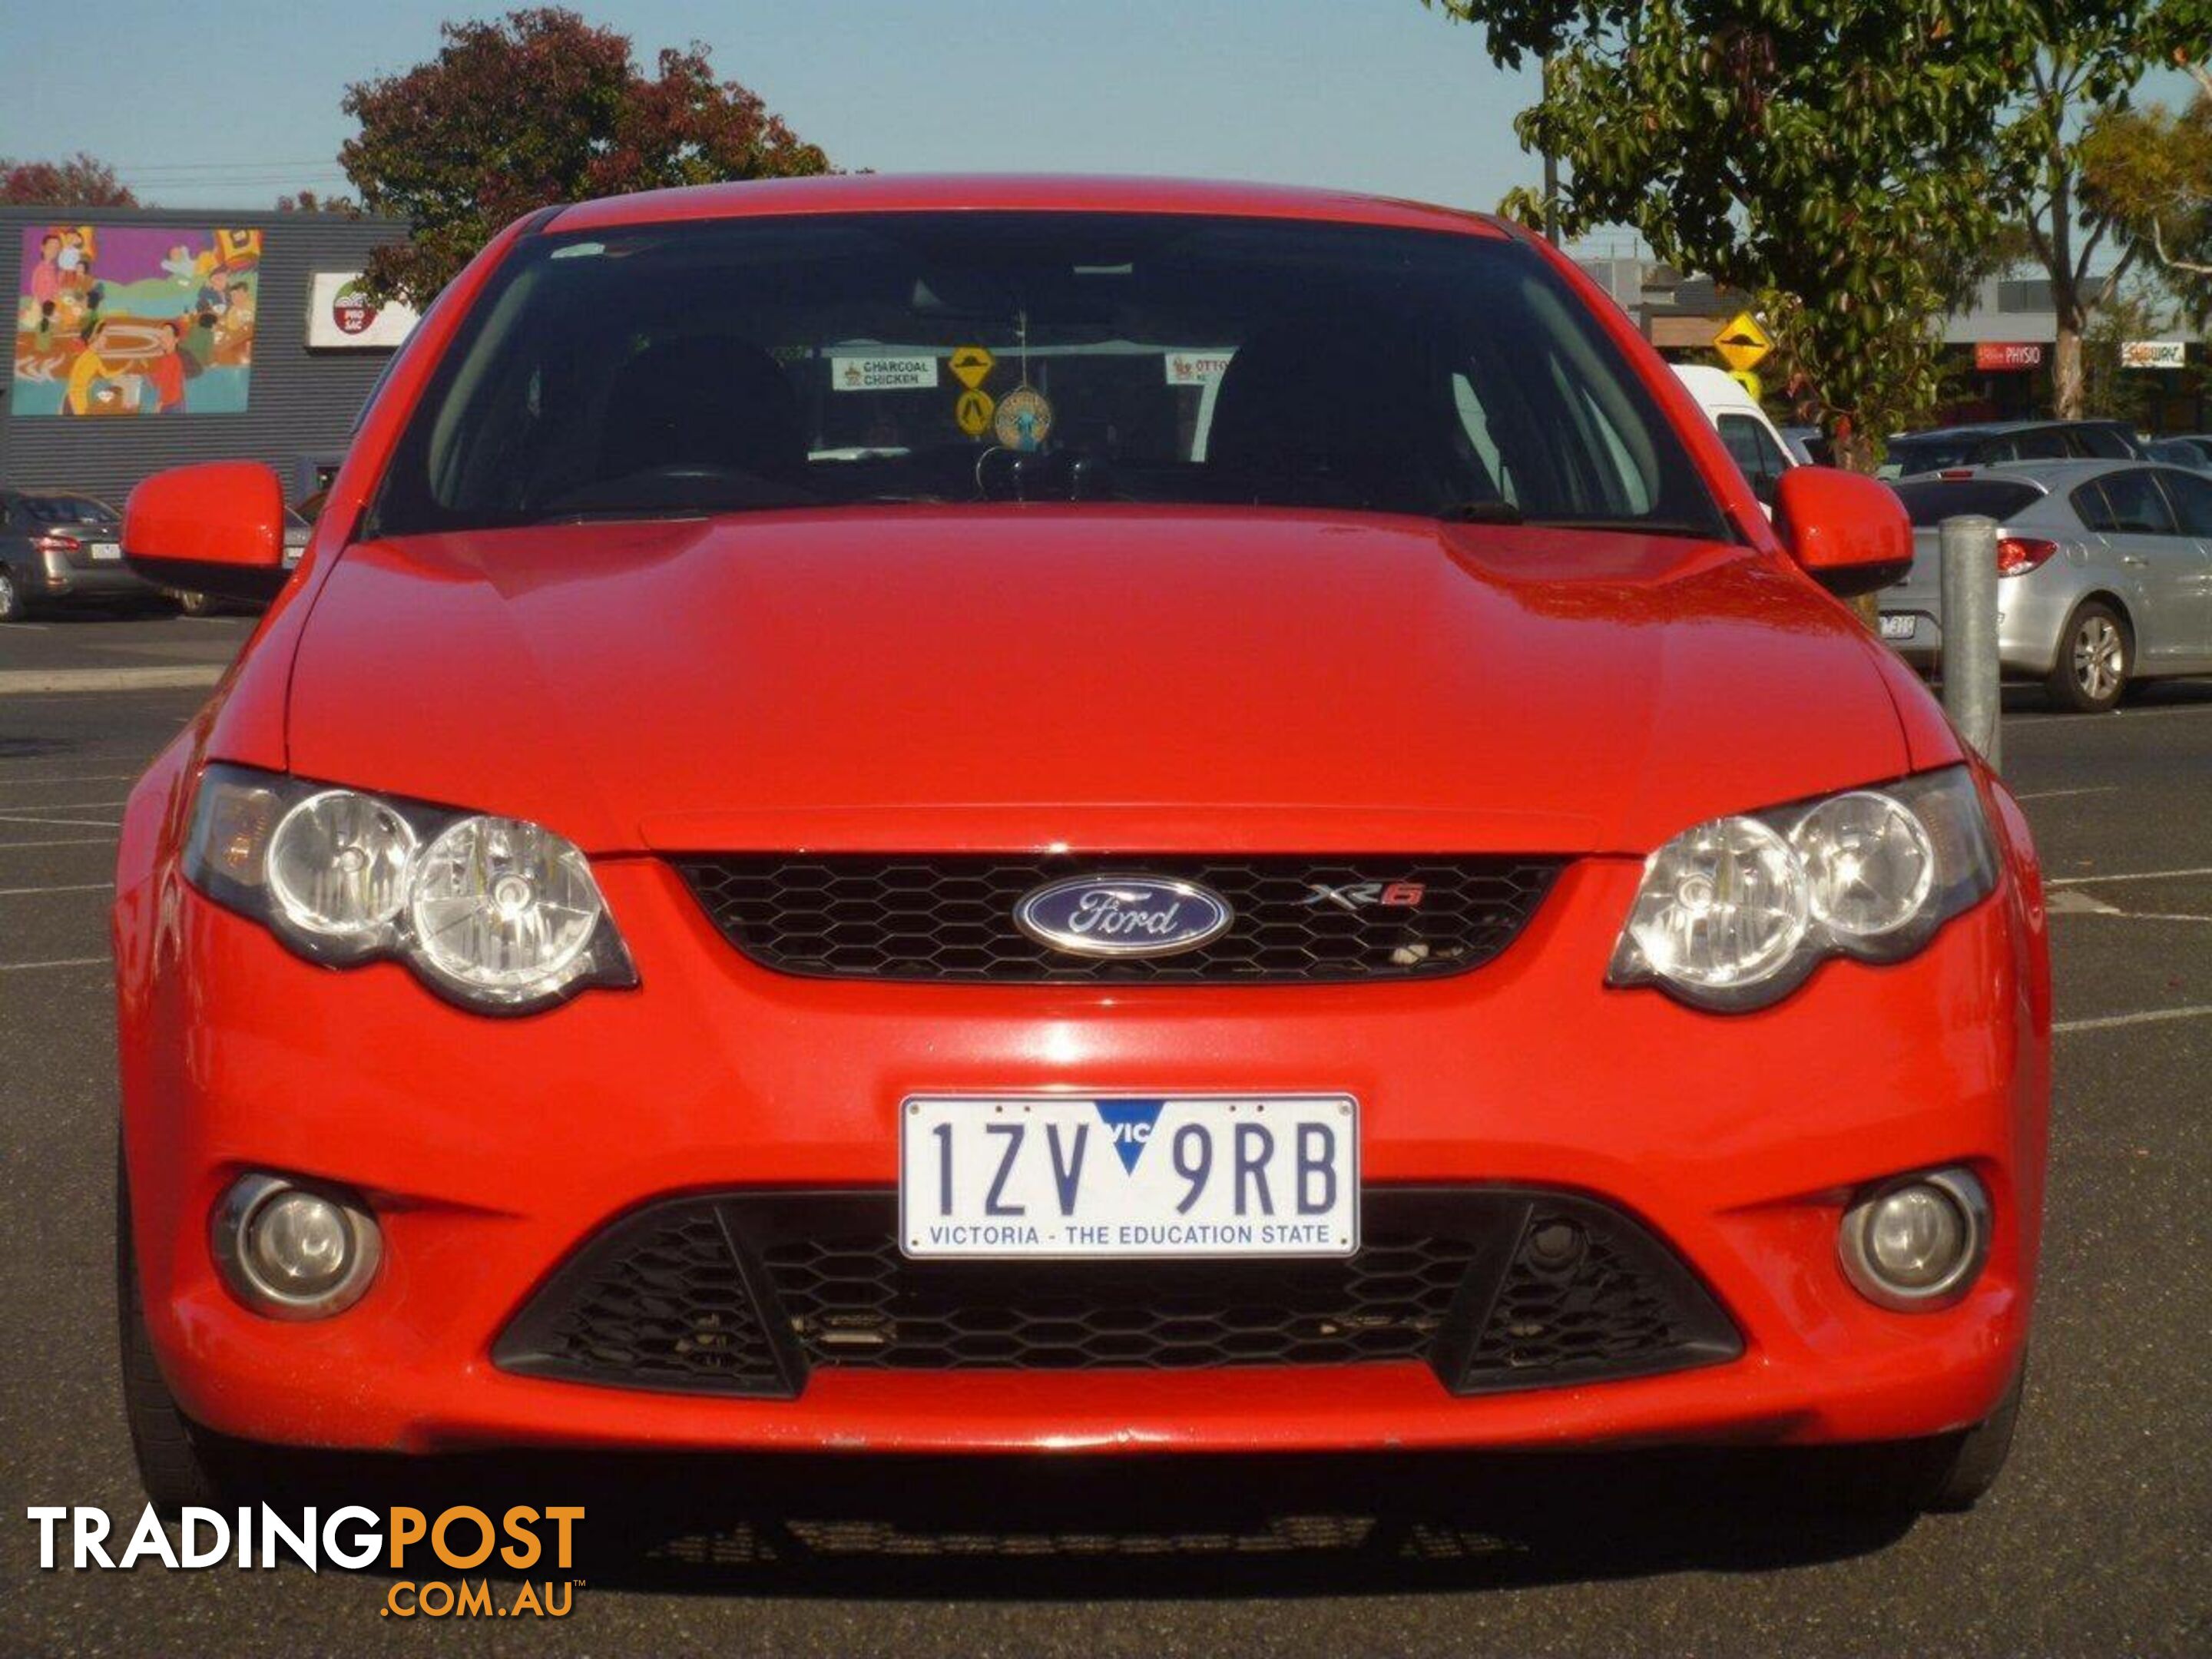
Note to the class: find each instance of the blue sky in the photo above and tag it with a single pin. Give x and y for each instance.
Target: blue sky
(236, 105)
(239, 104)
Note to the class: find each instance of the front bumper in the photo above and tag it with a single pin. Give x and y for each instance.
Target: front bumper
(491, 1148)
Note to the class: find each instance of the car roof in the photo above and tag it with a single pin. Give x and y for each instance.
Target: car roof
(891, 192)
(1995, 428)
(2052, 475)
(1714, 385)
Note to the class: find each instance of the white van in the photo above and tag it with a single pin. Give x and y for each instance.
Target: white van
(1760, 449)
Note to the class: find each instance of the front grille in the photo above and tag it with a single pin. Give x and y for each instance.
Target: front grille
(1493, 1288)
(953, 918)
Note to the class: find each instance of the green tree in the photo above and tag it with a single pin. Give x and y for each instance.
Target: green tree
(80, 181)
(2149, 171)
(540, 107)
(308, 201)
(2078, 85)
(2107, 390)
(1813, 155)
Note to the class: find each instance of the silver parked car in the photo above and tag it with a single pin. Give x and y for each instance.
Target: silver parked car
(2107, 569)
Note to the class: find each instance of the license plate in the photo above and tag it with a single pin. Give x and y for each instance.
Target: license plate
(1129, 1176)
(106, 550)
(1897, 628)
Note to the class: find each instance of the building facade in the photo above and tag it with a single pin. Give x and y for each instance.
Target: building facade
(1998, 348)
(146, 338)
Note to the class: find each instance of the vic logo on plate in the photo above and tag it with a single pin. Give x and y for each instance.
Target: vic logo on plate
(1122, 915)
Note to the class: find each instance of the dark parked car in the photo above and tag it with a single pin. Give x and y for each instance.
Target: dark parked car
(58, 547)
(2190, 449)
(1914, 453)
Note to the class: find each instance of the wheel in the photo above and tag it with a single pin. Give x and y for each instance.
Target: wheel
(11, 597)
(195, 604)
(2096, 655)
(180, 1463)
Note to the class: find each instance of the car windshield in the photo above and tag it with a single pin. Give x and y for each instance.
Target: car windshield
(1908, 456)
(68, 509)
(826, 362)
(1932, 501)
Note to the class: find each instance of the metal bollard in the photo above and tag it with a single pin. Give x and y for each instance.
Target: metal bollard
(1970, 632)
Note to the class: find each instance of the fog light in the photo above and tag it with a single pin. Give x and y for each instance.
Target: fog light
(1918, 1243)
(294, 1252)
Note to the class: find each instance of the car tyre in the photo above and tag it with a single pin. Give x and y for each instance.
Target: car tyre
(180, 1463)
(11, 597)
(2096, 655)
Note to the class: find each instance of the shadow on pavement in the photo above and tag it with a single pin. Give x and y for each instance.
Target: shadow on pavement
(1096, 1528)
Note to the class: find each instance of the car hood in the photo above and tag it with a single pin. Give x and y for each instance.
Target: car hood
(1102, 677)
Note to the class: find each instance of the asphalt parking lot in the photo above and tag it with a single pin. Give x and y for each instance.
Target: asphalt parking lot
(2098, 1540)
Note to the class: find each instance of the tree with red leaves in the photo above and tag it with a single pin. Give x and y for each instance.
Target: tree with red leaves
(81, 181)
(540, 107)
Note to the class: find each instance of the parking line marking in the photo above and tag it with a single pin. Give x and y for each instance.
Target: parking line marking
(62, 824)
(8, 777)
(58, 805)
(2150, 1016)
(2123, 716)
(64, 962)
(82, 841)
(108, 679)
(2131, 875)
(74, 887)
(2059, 794)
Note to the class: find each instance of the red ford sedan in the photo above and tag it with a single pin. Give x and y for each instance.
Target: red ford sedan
(989, 815)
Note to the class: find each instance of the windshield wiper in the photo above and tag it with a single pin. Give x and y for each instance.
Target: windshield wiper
(1704, 532)
(1492, 512)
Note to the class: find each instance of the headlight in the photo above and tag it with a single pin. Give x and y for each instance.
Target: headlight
(1735, 913)
(494, 913)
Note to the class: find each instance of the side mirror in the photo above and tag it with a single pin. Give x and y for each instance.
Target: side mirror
(216, 528)
(1848, 531)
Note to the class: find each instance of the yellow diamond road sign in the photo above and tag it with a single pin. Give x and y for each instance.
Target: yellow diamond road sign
(1743, 341)
(972, 365)
(972, 412)
(1749, 382)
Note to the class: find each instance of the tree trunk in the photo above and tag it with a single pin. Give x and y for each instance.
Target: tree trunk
(2066, 387)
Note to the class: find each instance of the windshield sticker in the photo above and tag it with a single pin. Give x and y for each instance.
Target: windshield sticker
(882, 373)
(1025, 419)
(1202, 368)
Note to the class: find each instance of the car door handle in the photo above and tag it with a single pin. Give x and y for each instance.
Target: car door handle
(2134, 559)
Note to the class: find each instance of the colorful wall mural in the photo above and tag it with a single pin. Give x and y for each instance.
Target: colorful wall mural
(136, 320)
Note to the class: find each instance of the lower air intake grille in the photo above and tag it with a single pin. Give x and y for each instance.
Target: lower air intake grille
(1493, 1288)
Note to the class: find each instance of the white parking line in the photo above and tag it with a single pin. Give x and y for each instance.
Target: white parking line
(7, 777)
(82, 841)
(58, 805)
(108, 679)
(2125, 715)
(2065, 1027)
(2130, 875)
(73, 887)
(64, 962)
(62, 823)
(2060, 794)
